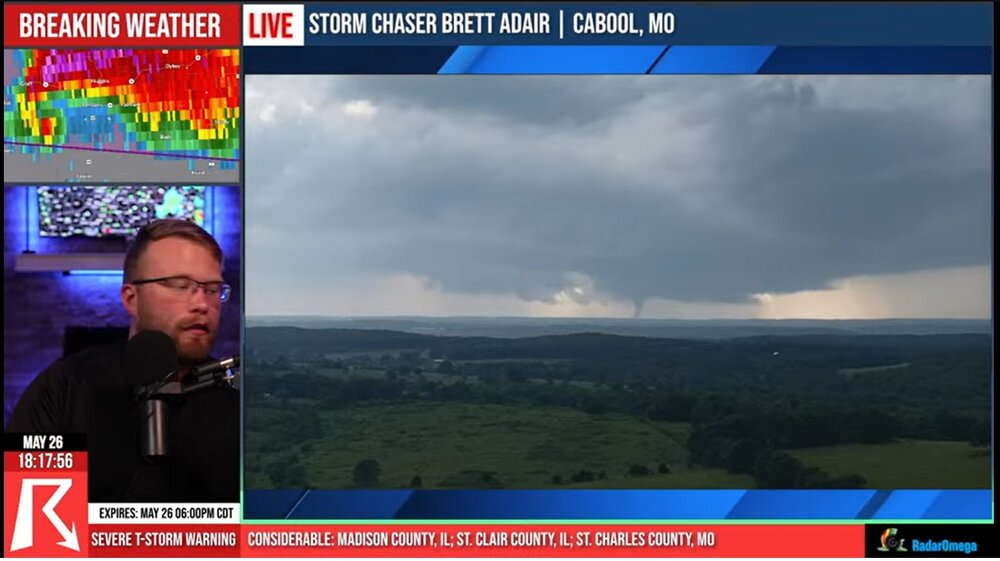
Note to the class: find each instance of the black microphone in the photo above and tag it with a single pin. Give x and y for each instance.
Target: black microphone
(216, 373)
(150, 357)
(215, 366)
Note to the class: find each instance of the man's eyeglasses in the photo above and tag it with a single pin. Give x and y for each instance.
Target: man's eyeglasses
(187, 286)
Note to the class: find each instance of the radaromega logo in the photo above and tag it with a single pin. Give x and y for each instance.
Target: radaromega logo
(944, 546)
(890, 541)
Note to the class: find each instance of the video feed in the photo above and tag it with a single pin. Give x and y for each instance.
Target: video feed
(106, 211)
(70, 289)
(618, 283)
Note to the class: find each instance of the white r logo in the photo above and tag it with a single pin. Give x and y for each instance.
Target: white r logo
(24, 529)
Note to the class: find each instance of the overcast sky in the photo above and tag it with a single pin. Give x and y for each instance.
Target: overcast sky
(662, 197)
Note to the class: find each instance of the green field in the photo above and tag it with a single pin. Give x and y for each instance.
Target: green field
(909, 464)
(452, 445)
(455, 445)
(448, 444)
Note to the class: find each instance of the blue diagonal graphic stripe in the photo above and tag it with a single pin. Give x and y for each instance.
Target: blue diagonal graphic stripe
(873, 504)
(364, 505)
(567, 505)
(554, 59)
(879, 60)
(707, 59)
(801, 504)
(906, 505)
(960, 504)
(462, 59)
(508, 504)
(275, 504)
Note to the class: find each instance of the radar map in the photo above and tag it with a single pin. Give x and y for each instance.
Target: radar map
(121, 115)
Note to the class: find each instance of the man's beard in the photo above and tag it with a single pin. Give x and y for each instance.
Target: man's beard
(192, 352)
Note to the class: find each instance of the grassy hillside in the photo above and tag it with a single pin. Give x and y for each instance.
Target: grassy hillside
(453, 444)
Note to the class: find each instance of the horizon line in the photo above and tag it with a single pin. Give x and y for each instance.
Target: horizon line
(602, 318)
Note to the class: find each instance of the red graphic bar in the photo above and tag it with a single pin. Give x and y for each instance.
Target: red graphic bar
(165, 540)
(121, 25)
(41, 460)
(552, 541)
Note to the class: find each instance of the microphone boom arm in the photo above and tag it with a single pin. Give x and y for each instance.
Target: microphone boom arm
(216, 373)
(153, 399)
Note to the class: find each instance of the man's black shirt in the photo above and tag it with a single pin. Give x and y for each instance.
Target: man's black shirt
(91, 393)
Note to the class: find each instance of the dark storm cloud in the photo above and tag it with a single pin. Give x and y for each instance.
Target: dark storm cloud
(700, 189)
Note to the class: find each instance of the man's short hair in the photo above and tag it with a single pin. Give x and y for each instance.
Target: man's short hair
(166, 228)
